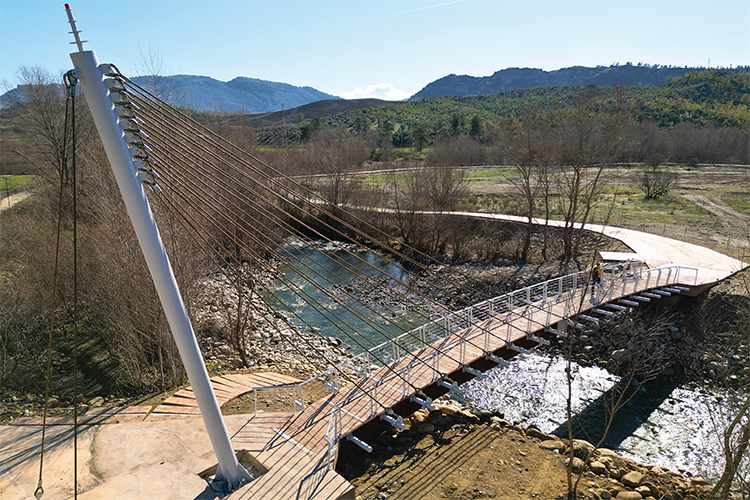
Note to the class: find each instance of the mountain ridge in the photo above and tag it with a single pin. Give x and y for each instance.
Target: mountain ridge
(525, 78)
(204, 93)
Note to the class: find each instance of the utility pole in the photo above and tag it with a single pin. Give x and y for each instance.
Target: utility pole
(109, 126)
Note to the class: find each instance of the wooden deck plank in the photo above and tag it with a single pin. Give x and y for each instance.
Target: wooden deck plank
(173, 400)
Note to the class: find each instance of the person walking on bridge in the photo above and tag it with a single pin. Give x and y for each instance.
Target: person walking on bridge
(596, 274)
(596, 281)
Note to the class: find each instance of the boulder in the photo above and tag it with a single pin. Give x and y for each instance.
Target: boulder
(644, 490)
(598, 467)
(582, 449)
(448, 409)
(606, 452)
(628, 495)
(97, 401)
(536, 433)
(632, 479)
(420, 415)
(605, 495)
(552, 444)
(425, 428)
(577, 466)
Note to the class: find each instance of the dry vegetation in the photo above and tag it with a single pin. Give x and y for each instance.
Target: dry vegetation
(561, 163)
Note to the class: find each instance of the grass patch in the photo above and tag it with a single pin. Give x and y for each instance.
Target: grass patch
(670, 209)
(11, 184)
(738, 200)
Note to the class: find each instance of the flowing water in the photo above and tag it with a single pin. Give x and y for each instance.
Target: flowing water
(662, 424)
(362, 313)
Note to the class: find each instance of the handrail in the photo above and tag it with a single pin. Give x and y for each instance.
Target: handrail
(527, 303)
(295, 391)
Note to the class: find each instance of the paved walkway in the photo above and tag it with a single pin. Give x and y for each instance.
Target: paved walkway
(12, 200)
(655, 250)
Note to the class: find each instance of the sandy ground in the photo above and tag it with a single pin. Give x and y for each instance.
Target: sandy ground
(12, 200)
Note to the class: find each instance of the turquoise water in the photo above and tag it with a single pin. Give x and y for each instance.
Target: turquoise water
(361, 311)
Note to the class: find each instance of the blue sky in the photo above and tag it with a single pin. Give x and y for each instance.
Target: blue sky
(374, 48)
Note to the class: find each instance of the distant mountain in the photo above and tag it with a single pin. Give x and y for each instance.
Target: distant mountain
(246, 95)
(9, 98)
(526, 78)
(323, 109)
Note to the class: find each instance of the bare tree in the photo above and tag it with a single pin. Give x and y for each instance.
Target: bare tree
(732, 425)
(656, 181)
(580, 179)
(634, 367)
(337, 155)
(40, 121)
(521, 150)
(151, 71)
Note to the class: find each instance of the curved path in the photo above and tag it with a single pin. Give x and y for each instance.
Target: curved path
(13, 199)
(655, 250)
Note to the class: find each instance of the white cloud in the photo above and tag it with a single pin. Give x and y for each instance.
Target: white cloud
(377, 91)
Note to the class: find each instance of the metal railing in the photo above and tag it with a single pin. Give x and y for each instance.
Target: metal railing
(497, 317)
(534, 303)
(272, 396)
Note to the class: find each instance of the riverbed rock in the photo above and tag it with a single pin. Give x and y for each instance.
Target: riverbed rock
(552, 444)
(425, 428)
(606, 452)
(577, 466)
(699, 481)
(605, 495)
(582, 449)
(97, 401)
(448, 407)
(598, 467)
(420, 416)
(628, 495)
(632, 479)
(536, 433)
(644, 490)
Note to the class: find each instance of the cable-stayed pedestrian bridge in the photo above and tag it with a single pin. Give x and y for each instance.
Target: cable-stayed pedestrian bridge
(242, 212)
(407, 371)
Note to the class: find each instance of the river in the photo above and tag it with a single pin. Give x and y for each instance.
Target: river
(663, 424)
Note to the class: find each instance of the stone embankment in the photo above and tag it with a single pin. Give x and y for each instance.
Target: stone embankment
(603, 473)
(268, 338)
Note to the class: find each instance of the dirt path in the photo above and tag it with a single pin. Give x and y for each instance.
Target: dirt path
(717, 207)
(13, 199)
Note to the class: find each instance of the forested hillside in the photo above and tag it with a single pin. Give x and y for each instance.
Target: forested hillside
(505, 80)
(712, 98)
